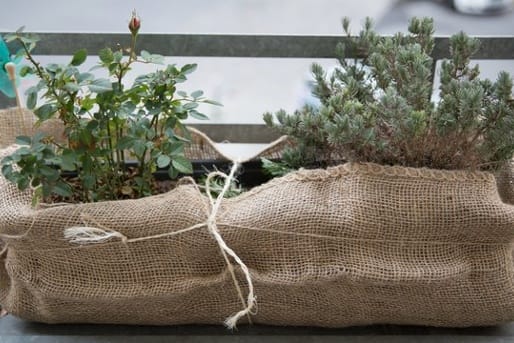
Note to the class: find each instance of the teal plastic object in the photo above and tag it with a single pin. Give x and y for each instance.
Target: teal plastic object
(6, 85)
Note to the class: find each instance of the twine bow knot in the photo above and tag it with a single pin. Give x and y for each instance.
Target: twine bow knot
(99, 233)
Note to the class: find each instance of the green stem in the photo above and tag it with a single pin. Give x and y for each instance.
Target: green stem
(122, 152)
(155, 123)
(41, 74)
(132, 53)
(142, 172)
(39, 71)
(109, 140)
(117, 136)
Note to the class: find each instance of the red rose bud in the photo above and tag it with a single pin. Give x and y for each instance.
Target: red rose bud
(135, 23)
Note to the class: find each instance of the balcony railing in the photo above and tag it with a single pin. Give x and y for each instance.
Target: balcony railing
(238, 45)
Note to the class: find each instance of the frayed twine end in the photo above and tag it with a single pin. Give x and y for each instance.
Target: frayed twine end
(91, 235)
(231, 322)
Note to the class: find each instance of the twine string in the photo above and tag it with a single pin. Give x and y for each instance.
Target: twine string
(296, 234)
(225, 249)
(4, 250)
(99, 233)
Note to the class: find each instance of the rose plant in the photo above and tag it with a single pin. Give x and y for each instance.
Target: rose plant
(107, 124)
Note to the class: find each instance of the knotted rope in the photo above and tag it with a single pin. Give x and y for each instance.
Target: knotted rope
(99, 233)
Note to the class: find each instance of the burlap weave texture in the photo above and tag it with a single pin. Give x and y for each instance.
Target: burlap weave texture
(15, 122)
(355, 244)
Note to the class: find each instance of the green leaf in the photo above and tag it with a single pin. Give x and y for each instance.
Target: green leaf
(62, 188)
(88, 181)
(49, 173)
(84, 77)
(53, 67)
(176, 148)
(71, 87)
(68, 161)
(46, 111)
(197, 94)
(190, 106)
(188, 68)
(87, 103)
(163, 161)
(106, 56)
(26, 70)
(172, 173)
(22, 183)
(38, 147)
(46, 190)
(10, 37)
(139, 148)
(117, 56)
(212, 102)
(7, 170)
(145, 55)
(79, 57)
(182, 94)
(182, 164)
(152, 58)
(100, 86)
(23, 151)
(86, 138)
(198, 115)
(38, 137)
(29, 38)
(31, 100)
(92, 125)
(125, 142)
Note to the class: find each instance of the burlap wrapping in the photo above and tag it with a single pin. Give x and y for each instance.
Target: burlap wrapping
(505, 181)
(355, 244)
(202, 147)
(15, 122)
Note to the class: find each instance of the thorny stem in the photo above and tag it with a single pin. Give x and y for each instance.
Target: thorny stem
(123, 69)
(40, 72)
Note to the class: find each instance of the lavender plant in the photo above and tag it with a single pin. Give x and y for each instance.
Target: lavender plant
(377, 107)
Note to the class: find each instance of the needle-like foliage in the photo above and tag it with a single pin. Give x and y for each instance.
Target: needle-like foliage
(378, 107)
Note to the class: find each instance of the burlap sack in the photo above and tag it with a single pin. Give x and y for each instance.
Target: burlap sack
(15, 122)
(204, 148)
(505, 181)
(355, 244)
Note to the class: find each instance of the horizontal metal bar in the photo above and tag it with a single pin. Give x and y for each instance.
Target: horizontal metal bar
(490, 48)
(236, 45)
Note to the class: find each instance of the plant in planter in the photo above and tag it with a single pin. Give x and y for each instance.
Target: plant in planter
(352, 244)
(377, 108)
(106, 125)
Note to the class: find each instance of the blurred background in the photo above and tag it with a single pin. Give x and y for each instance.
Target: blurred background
(248, 87)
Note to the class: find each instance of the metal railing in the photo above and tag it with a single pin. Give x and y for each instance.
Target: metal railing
(237, 45)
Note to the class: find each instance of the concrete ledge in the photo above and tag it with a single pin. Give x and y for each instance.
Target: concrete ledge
(16, 330)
